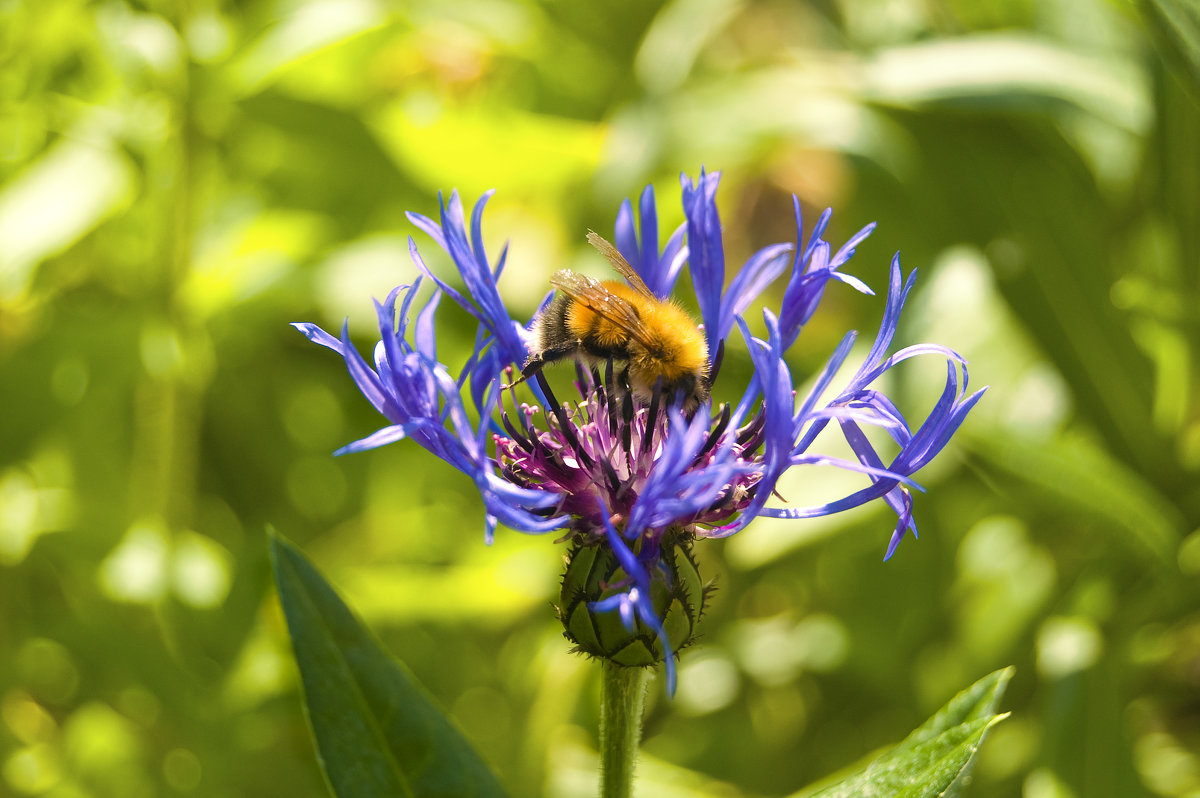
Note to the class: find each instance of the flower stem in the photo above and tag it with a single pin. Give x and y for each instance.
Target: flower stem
(621, 701)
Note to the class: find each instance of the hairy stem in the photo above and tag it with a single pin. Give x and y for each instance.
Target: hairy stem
(621, 702)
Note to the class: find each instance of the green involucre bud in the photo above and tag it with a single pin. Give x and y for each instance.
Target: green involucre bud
(677, 594)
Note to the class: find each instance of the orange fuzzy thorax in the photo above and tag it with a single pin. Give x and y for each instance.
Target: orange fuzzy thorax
(678, 346)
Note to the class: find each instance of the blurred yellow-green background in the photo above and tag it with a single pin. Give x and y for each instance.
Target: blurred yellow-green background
(178, 181)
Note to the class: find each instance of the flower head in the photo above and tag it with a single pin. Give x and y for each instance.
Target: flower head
(630, 480)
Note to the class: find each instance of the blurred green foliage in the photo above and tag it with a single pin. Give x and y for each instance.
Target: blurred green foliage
(180, 180)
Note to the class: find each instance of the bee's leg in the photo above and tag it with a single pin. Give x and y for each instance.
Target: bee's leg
(537, 362)
(532, 366)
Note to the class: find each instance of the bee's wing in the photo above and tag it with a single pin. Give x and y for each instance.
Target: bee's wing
(605, 248)
(592, 294)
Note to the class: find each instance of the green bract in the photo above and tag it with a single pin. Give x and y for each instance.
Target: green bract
(677, 594)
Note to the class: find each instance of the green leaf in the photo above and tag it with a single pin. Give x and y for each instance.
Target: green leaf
(56, 200)
(937, 758)
(1073, 471)
(1176, 25)
(377, 731)
(525, 152)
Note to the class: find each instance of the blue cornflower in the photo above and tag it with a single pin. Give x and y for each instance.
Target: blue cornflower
(633, 483)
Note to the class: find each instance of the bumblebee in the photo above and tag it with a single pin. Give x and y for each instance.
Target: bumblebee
(592, 321)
